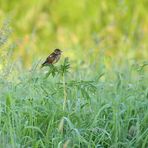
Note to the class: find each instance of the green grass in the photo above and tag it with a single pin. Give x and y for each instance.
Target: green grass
(74, 108)
(96, 99)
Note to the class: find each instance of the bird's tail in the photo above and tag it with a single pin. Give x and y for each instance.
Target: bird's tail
(43, 65)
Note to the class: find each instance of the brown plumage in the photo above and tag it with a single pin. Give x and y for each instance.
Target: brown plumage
(52, 58)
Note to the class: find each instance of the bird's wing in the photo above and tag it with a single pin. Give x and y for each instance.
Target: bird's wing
(51, 55)
(50, 58)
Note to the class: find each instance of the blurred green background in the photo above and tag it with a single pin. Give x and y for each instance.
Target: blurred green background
(84, 29)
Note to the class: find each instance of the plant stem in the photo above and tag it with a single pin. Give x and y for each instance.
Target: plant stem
(65, 94)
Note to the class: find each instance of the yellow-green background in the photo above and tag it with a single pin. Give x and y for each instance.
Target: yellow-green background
(83, 29)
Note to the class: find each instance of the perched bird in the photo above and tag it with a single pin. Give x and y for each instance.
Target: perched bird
(52, 58)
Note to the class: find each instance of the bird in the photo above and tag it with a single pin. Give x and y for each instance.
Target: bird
(52, 58)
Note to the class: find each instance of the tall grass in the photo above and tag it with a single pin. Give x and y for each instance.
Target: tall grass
(65, 110)
(92, 105)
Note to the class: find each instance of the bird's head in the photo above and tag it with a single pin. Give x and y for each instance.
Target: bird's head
(57, 51)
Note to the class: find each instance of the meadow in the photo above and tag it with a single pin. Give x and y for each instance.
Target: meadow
(96, 96)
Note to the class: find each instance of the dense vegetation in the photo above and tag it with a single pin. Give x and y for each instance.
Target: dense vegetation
(95, 96)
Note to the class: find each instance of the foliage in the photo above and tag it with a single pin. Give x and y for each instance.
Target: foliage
(97, 97)
(63, 69)
(102, 111)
